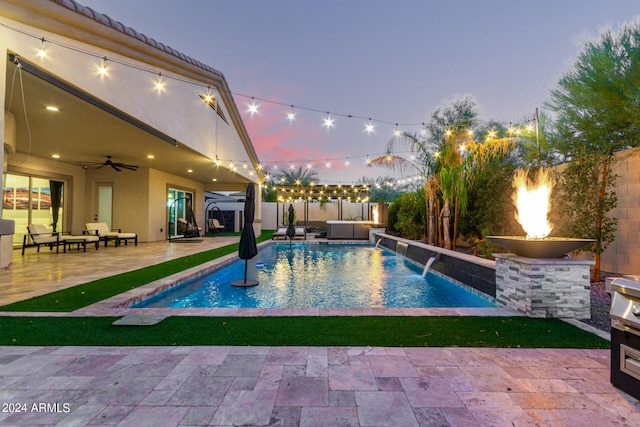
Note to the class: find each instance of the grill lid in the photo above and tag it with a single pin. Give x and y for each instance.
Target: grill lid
(625, 304)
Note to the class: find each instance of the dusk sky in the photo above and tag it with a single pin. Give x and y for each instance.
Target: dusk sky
(391, 61)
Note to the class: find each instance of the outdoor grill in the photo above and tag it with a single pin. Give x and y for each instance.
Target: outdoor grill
(625, 335)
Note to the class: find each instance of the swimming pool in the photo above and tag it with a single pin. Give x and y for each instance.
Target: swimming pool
(319, 276)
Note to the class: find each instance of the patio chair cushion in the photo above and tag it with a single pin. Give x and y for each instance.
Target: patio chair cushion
(300, 232)
(280, 232)
(41, 235)
(101, 229)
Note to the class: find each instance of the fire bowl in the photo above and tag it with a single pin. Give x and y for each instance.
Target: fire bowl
(549, 247)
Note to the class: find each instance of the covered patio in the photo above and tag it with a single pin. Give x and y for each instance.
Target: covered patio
(127, 130)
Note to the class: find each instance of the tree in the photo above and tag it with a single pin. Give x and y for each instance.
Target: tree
(584, 206)
(461, 112)
(598, 114)
(383, 189)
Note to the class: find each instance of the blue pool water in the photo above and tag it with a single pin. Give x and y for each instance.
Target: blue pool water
(319, 275)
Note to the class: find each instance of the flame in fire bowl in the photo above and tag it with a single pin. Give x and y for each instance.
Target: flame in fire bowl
(548, 247)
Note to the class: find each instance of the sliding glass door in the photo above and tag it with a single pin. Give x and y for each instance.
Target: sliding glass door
(33, 200)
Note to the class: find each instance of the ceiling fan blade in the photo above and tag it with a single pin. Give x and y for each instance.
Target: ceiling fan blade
(130, 167)
(116, 168)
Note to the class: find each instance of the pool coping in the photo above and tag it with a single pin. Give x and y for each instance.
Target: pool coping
(118, 305)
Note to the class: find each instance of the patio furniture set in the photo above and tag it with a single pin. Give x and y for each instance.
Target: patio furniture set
(95, 233)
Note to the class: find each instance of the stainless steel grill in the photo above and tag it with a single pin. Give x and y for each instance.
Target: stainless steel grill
(625, 334)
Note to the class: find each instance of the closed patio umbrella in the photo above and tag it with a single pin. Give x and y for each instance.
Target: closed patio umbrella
(247, 248)
(291, 231)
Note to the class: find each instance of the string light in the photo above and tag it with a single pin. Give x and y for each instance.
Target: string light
(329, 122)
(327, 164)
(160, 86)
(292, 166)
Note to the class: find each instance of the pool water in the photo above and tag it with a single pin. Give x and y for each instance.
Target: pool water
(319, 275)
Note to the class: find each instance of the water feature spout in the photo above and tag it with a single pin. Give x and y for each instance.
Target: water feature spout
(378, 243)
(428, 264)
(401, 248)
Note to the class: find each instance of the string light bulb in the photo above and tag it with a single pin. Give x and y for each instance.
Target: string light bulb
(309, 165)
(396, 133)
(253, 108)
(369, 127)
(328, 122)
(347, 162)
(423, 130)
(102, 69)
(291, 116)
(159, 83)
(327, 164)
(208, 98)
(41, 51)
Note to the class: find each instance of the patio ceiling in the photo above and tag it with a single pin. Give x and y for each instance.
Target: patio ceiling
(82, 132)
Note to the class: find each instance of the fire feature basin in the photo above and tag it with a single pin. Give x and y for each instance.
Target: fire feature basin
(549, 247)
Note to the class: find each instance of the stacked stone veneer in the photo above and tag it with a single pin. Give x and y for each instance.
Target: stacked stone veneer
(544, 287)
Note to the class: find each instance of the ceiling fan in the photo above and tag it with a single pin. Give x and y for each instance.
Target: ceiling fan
(115, 165)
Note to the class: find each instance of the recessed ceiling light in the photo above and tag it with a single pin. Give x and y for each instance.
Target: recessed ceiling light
(189, 170)
(55, 156)
(214, 179)
(52, 108)
(150, 156)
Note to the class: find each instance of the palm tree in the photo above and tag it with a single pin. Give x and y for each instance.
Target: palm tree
(421, 161)
(300, 176)
(382, 188)
(448, 170)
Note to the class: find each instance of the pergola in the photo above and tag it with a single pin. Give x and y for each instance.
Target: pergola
(322, 192)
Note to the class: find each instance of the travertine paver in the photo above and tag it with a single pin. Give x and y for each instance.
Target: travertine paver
(315, 386)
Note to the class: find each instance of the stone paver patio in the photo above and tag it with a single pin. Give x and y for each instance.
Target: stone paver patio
(309, 386)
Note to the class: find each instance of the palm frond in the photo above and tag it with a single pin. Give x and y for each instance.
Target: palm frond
(394, 163)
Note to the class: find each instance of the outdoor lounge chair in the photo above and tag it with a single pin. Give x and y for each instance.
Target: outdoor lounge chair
(281, 232)
(300, 232)
(101, 229)
(41, 236)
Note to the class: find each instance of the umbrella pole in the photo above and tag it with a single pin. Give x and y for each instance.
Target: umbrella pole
(245, 270)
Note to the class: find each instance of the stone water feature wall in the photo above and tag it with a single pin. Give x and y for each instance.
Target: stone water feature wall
(544, 287)
(474, 273)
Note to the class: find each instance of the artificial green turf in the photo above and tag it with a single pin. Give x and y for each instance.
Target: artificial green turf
(79, 296)
(301, 331)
